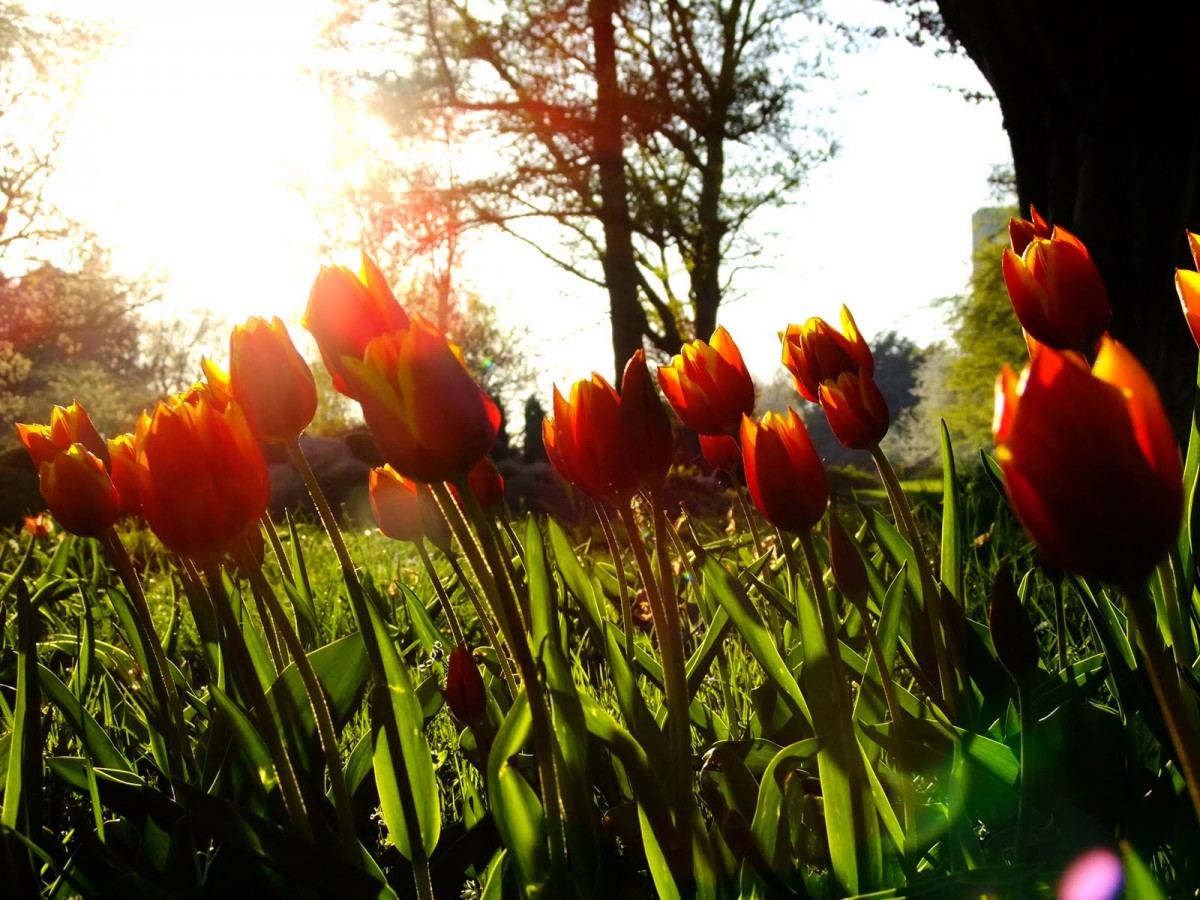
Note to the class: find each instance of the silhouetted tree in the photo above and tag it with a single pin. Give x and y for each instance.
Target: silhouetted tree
(1099, 105)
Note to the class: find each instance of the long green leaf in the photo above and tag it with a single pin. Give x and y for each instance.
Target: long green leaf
(404, 774)
(952, 537)
(95, 739)
(515, 806)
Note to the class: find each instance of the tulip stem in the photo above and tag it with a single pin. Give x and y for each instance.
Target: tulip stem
(249, 683)
(485, 619)
(482, 557)
(456, 632)
(670, 638)
(316, 698)
(614, 551)
(929, 587)
(739, 491)
(1180, 719)
(1060, 623)
(159, 669)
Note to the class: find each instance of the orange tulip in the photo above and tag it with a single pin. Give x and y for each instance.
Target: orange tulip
(1187, 285)
(837, 370)
(73, 464)
(608, 444)
(346, 311)
(68, 425)
(1022, 231)
(405, 510)
(783, 471)
(1057, 293)
(270, 381)
(123, 452)
(429, 418)
(38, 527)
(202, 479)
(1090, 462)
(708, 385)
(79, 492)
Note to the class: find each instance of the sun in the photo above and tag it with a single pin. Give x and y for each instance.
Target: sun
(201, 148)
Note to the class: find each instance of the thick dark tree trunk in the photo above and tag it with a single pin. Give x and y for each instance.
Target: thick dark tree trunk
(620, 265)
(1099, 101)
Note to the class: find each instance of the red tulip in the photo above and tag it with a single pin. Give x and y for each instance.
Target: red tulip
(465, 692)
(610, 445)
(270, 381)
(708, 385)
(845, 563)
(721, 451)
(486, 483)
(202, 479)
(347, 311)
(405, 510)
(38, 527)
(429, 418)
(1022, 231)
(783, 471)
(1057, 293)
(1090, 462)
(836, 369)
(1187, 285)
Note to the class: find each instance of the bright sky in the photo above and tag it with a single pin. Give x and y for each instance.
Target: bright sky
(188, 145)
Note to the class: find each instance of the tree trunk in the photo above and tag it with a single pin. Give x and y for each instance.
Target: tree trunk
(1081, 87)
(620, 265)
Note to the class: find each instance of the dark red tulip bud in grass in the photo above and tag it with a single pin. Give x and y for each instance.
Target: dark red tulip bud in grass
(721, 451)
(1090, 462)
(465, 692)
(1012, 633)
(849, 571)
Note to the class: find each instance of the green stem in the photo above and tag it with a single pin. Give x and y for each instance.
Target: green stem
(614, 551)
(670, 639)
(1182, 645)
(1181, 723)
(285, 568)
(316, 698)
(485, 619)
(929, 587)
(1060, 623)
(366, 628)
(908, 799)
(456, 632)
(159, 669)
(1023, 721)
(482, 557)
(247, 678)
(747, 513)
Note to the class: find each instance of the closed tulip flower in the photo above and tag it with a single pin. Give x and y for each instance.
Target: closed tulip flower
(270, 381)
(346, 311)
(405, 510)
(79, 492)
(784, 474)
(1090, 462)
(430, 420)
(1187, 284)
(721, 451)
(466, 694)
(708, 385)
(486, 483)
(836, 369)
(1057, 293)
(73, 465)
(202, 479)
(610, 445)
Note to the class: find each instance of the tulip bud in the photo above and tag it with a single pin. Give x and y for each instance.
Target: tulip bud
(1012, 633)
(1021, 232)
(708, 385)
(849, 571)
(270, 381)
(721, 451)
(465, 692)
(784, 474)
